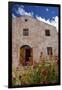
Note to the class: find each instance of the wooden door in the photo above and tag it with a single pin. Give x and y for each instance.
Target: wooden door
(31, 57)
(23, 59)
(22, 56)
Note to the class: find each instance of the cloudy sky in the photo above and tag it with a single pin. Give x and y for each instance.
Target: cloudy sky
(46, 14)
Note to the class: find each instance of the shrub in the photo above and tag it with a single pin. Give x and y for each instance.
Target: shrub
(41, 73)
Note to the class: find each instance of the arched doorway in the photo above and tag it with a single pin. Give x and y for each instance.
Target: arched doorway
(26, 55)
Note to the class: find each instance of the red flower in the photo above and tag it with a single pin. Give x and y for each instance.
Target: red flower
(17, 68)
(45, 82)
(44, 72)
(34, 66)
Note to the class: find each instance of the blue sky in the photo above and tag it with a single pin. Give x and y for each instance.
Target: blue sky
(46, 14)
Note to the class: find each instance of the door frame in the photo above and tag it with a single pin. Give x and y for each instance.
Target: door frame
(23, 60)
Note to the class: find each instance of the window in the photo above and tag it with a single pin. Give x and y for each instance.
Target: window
(49, 50)
(25, 32)
(47, 32)
(26, 20)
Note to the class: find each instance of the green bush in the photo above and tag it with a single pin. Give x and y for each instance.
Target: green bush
(46, 73)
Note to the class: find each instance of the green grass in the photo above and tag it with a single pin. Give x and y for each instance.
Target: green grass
(46, 73)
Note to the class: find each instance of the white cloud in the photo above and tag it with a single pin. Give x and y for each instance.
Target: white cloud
(51, 22)
(42, 19)
(21, 11)
(47, 9)
(22, 6)
(55, 22)
(13, 15)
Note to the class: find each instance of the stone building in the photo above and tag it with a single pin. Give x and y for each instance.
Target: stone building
(30, 38)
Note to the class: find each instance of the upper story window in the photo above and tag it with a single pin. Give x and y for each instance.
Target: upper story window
(49, 50)
(25, 32)
(47, 32)
(26, 20)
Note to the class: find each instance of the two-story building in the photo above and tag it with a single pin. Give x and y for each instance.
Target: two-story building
(30, 38)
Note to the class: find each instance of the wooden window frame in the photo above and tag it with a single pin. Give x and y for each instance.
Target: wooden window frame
(25, 32)
(47, 32)
(49, 51)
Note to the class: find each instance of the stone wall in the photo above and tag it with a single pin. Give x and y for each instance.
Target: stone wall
(36, 39)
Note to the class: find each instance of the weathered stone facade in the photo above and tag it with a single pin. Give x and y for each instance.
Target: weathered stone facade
(36, 39)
